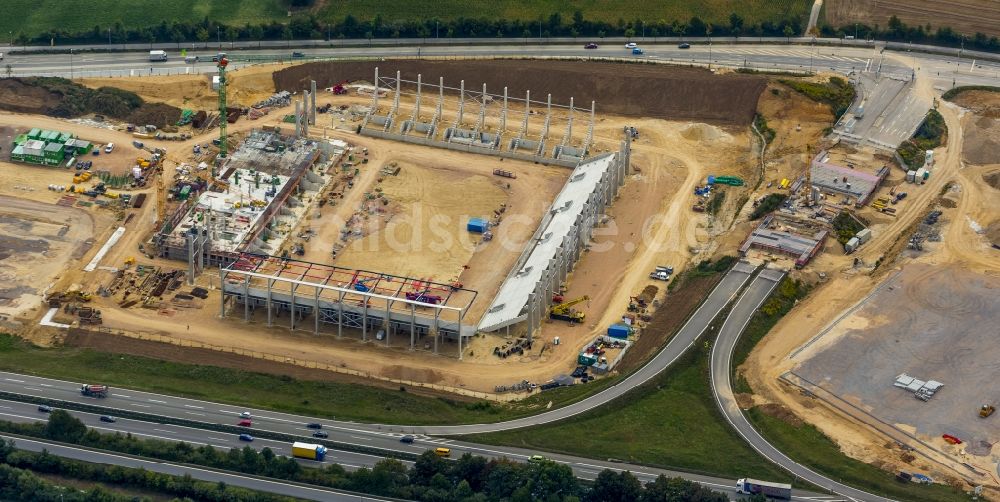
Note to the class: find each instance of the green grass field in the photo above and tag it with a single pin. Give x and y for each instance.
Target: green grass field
(340, 400)
(33, 17)
(809, 446)
(672, 422)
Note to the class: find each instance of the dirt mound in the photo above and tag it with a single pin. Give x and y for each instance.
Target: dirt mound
(781, 413)
(16, 96)
(58, 97)
(158, 114)
(702, 132)
(636, 90)
(982, 141)
(992, 179)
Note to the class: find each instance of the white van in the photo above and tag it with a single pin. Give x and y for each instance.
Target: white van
(157, 55)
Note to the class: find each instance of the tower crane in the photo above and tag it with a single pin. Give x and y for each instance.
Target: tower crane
(223, 115)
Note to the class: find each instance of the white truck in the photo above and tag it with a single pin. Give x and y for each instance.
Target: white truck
(157, 55)
(768, 489)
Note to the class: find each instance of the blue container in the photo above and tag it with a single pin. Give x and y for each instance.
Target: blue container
(619, 331)
(711, 180)
(477, 225)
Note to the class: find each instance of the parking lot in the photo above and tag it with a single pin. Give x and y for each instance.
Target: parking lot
(932, 323)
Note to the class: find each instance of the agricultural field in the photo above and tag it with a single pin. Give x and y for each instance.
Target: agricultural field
(964, 16)
(76, 16)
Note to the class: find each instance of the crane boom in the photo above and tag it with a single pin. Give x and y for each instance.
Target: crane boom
(563, 307)
(223, 107)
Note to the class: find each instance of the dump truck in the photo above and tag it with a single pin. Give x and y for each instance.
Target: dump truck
(91, 390)
(309, 451)
(774, 490)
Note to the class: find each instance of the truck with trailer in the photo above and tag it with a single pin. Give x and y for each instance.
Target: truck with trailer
(773, 490)
(91, 390)
(157, 55)
(309, 451)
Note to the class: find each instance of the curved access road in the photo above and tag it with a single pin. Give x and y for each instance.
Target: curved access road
(191, 409)
(722, 355)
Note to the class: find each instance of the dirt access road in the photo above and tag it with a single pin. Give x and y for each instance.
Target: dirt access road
(962, 245)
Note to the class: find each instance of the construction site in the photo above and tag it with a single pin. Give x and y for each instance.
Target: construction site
(389, 215)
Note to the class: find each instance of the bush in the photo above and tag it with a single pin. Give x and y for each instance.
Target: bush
(930, 135)
(836, 93)
(761, 123)
(845, 225)
(770, 203)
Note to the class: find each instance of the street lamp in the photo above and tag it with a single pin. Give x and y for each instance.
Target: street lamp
(109, 39)
(218, 36)
(71, 64)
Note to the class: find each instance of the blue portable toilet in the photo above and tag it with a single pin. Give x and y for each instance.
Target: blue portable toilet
(619, 331)
(477, 225)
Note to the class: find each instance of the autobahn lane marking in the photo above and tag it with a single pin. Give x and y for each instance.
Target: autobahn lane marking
(14, 380)
(45, 385)
(40, 419)
(122, 395)
(194, 413)
(140, 405)
(157, 401)
(193, 406)
(165, 431)
(217, 439)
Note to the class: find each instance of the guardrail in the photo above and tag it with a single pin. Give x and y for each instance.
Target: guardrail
(149, 417)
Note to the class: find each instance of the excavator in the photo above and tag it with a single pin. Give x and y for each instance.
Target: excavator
(986, 410)
(566, 312)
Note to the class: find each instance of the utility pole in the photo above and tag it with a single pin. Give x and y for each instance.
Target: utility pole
(109, 39)
(71, 64)
(218, 36)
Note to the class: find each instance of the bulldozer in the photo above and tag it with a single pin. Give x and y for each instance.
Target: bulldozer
(566, 312)
(55, 299)
(986, 410)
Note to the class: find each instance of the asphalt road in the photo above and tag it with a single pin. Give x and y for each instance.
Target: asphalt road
(583, 468)
(721, 362)
(202, 411)
(261, 484)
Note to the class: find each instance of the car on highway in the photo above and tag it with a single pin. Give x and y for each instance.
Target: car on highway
(245, 414)
(321, 434)
(631, 45)
(314, 425)
(536, 459)
(245, 423)
(246, 437)
(108, 418)
(44, 408)
(218, 56)
(298, 54)
(591, 45)
(407, 438)
(684, 45)
(442, 452)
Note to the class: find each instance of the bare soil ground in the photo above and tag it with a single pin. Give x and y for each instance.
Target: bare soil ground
(963, 243)
(17, 96)
(964, 16)
(982, 134)
(246, 87)
(631, 90)
(37, 241)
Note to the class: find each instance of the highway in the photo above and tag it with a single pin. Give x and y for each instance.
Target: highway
(721, 361)
(583, 468)
(202, 411)
(279, 487)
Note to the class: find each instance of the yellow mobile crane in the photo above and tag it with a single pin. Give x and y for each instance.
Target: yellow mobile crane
(565, 311)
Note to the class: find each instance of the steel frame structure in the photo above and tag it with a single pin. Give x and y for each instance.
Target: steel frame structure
(347, 298)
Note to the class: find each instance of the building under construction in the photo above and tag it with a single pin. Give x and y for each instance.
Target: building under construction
(251, 206)
(471, 130)
(312, 296)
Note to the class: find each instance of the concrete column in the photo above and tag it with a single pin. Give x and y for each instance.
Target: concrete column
(312, 104)
(267, 301)
(291, 307)
(316, 312)
(246, 298)
(503, 113)
(437, 328)
(340, 315)
(222, 301)
(385, 323)
(416, 108)
(461, 103)
(298, 119)
(461, 316)
(413, 322)
(364, 319)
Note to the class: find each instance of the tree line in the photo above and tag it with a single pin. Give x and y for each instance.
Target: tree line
(349, 27)
(431, 478)
(898, 31)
